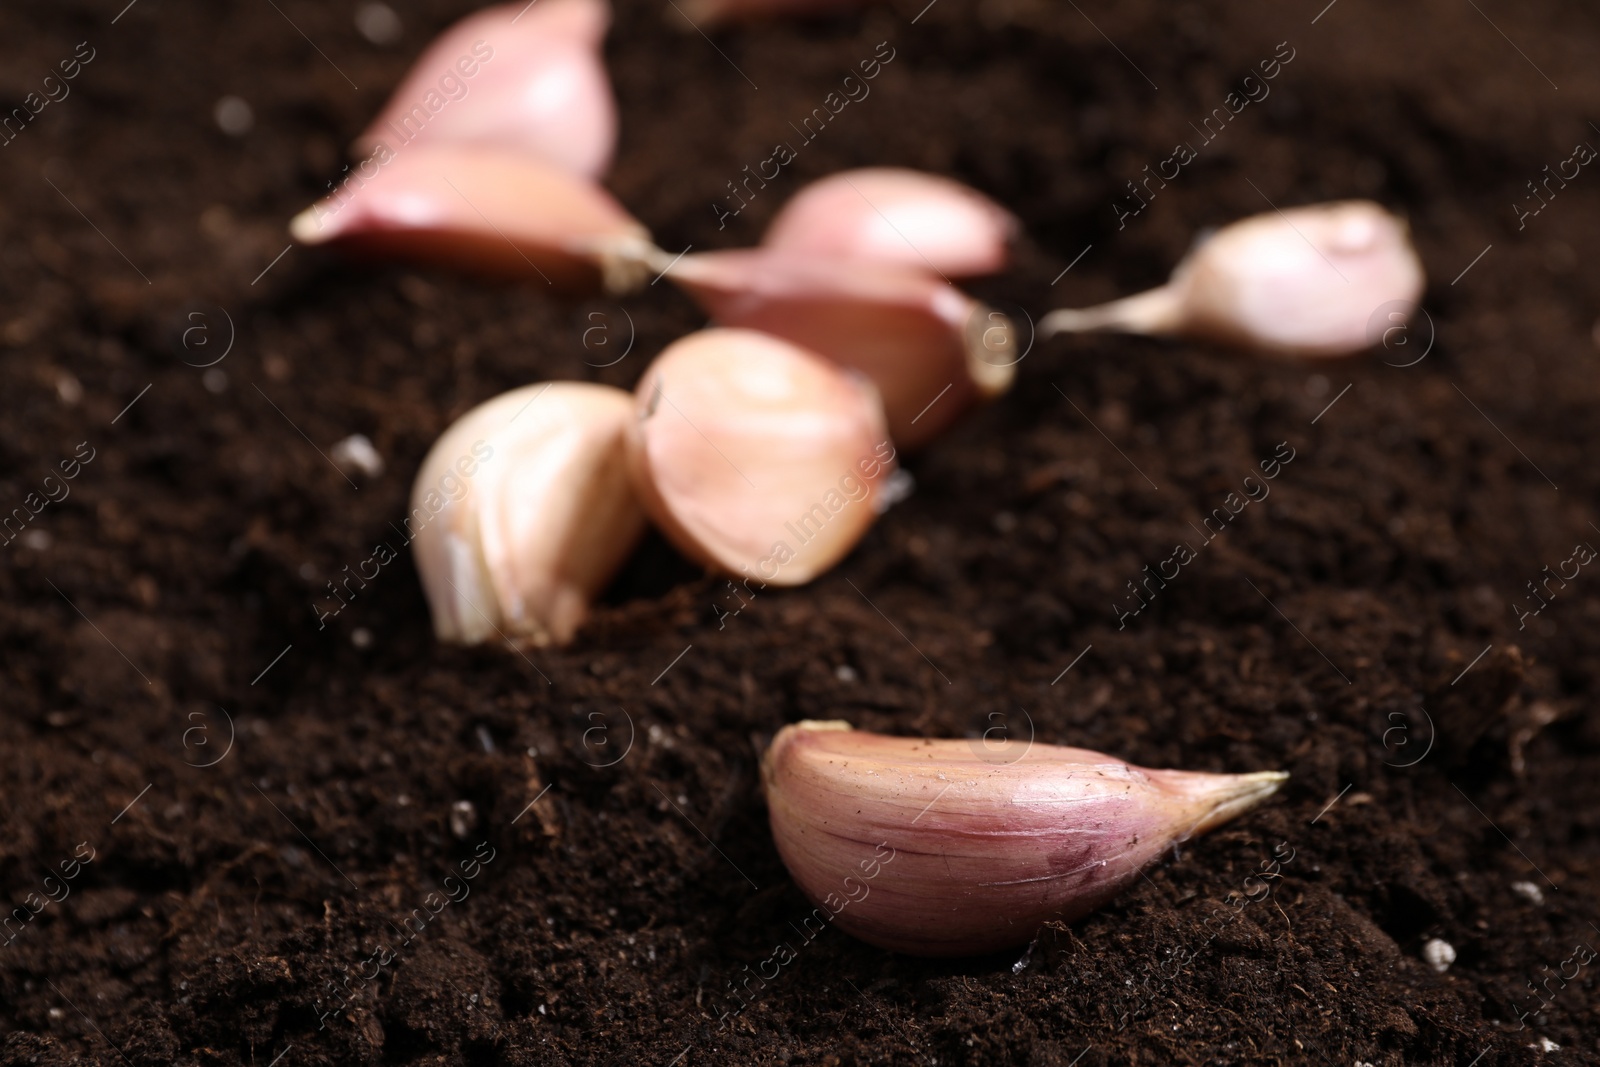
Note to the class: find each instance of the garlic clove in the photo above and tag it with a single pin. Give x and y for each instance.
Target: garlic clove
(893, 215)
(757, 457)
(931, 349)
(523, 511)
(537, 85)
(954, 847)
(486, 210)
(1302, 282)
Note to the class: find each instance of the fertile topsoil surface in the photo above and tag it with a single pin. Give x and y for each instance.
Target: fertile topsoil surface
(251, 801)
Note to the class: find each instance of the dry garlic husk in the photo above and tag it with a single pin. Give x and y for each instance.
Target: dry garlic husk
(1302, 282)
(894, 215)
(487, 210)
(954, 847)
(523, 511)
(932, 350)
(529, 78)
(757, 457)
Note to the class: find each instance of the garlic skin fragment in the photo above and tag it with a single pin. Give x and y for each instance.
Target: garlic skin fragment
(990, 840)
(895, 215)
(523, 511)
(932, 351)
(539, 86)
(1302, 283)
(757, 457)
(485, 210)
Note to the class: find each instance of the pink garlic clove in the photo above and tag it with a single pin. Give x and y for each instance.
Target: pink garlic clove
(485, 210)
(756, 457)
(932, 350)
(523, 511)
(954, 847)
(1302, 282)
(527, 78)
(893, 215)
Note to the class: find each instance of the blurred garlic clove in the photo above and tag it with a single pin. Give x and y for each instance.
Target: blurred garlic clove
(527, 78)
(1302, 282)
(892, 215)
(486, 210)
(756, 457)
(523, 511)
(955, 847)
(931, 349)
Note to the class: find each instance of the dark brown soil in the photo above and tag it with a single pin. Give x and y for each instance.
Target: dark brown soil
(1337, 630)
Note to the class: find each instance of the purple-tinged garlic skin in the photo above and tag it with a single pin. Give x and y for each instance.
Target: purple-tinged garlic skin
(894, 215)
(537, 85)
(990, 840)
(484, 210)
(933, 351)
(1301, 283)
(523, 511)
(756, 457)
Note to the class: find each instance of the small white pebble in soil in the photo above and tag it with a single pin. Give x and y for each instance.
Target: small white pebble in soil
(1528, 891)
(898, 487)
(68, 388)
(378, 23)
(463, 817)
(37, 540)
(356, 453)
(1438, 954)
(215, 381)
(56, 1014)
(845, 673)
(361, 637)
(234, 116)
(1546, 1045)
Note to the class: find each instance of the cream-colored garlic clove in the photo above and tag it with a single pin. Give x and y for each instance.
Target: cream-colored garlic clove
(953, 847)
(757, 457)
(893, 215)
(1302, 282)
(932, 350)
(523, 511)
(529, 78)
(486, 210)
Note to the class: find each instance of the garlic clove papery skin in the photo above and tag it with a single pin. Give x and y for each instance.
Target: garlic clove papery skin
(523, 511)
(485, 210)
(756, 457)
(1304, 282)
(988, 840)
(539, 86)
(932, 350)
(894, 215)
